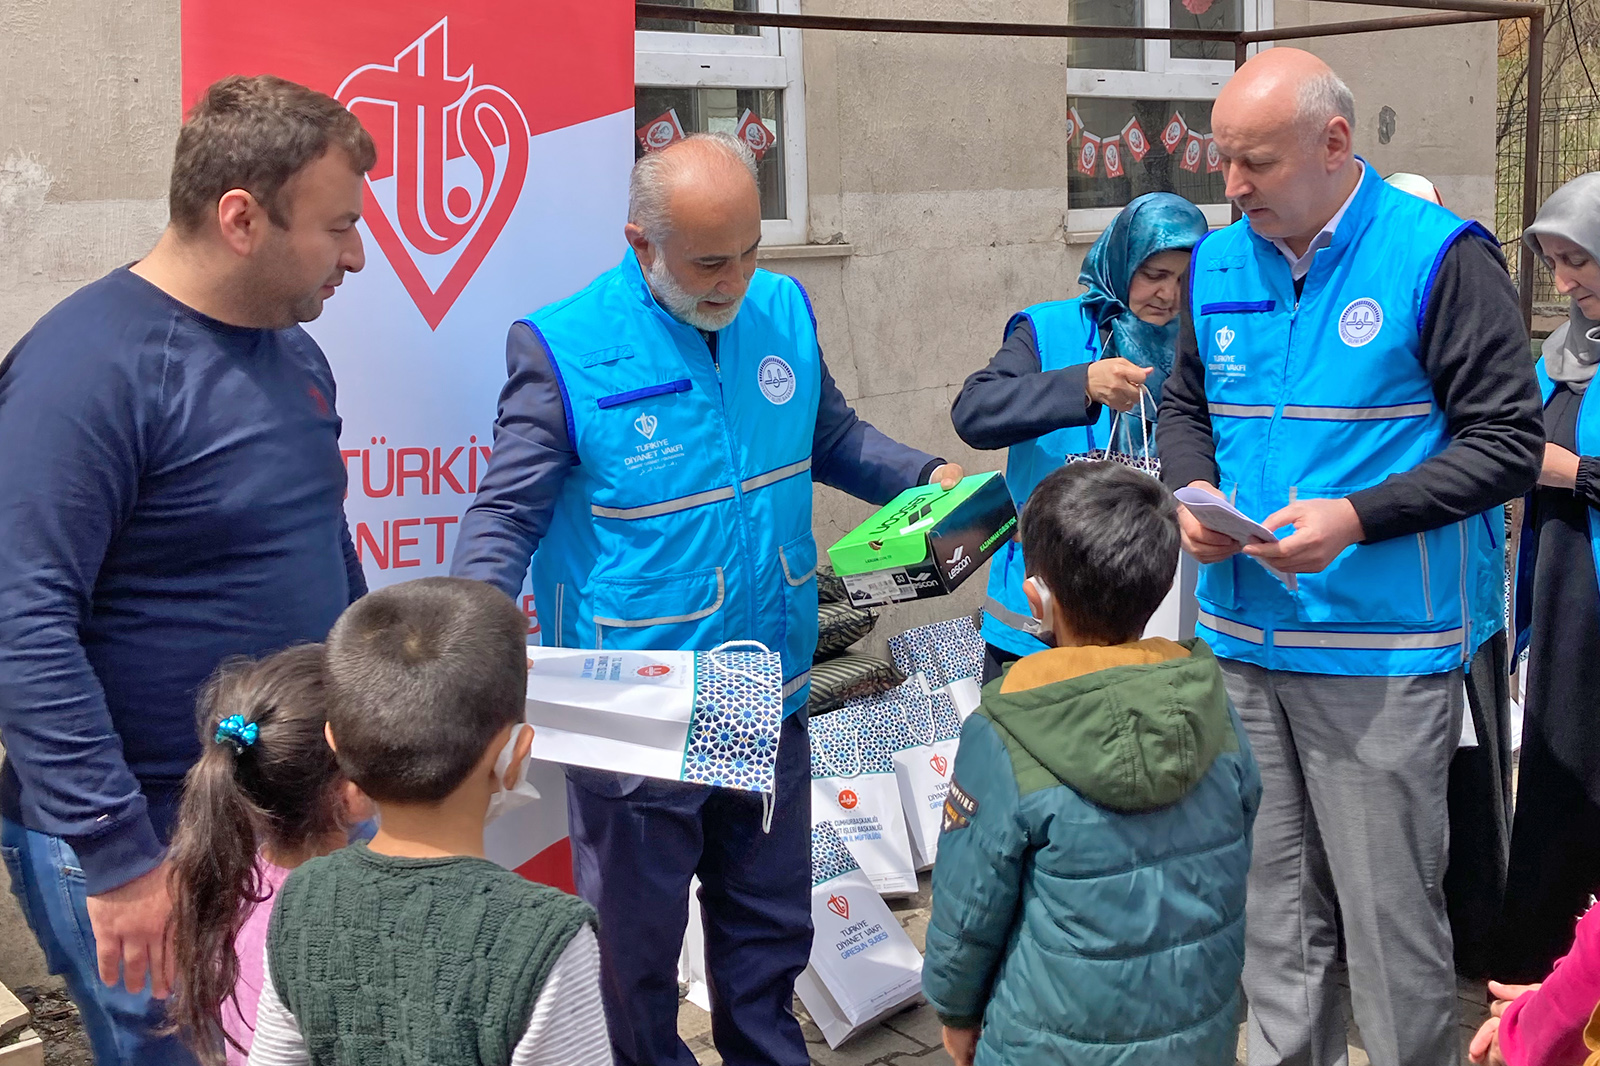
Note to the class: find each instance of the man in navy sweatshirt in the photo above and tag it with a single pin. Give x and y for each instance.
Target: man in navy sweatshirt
(172, 495)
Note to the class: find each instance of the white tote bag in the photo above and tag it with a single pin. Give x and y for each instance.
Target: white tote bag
(863, 966)
(853, 787)
(692, 956)
(709, 718)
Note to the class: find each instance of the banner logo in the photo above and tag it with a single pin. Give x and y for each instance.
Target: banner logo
(646, 424)
(1224, 338)
(840, 906)
(940, 764)
(458, 156)
(848, 799)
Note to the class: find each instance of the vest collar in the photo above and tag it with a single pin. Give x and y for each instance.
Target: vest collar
(633, 277)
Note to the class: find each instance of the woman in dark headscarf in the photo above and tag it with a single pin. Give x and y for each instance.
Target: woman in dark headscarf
(1065, 365)
(1555, 838)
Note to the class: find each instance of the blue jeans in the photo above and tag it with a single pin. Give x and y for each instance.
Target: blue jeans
(48, 883)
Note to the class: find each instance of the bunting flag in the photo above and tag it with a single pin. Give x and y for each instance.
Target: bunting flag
(1111, 152)
(1194, 151)
(661, 131)
(1133, 136)
(1173, 133)
(1088, 154)
(1213, 156)
(1074, 124)
(755, 133)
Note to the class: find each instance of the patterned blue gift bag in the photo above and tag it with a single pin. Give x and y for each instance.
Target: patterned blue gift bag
(708, 718)
(948, 657)
(863, 966)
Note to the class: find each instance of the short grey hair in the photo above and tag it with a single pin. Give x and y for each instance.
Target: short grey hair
(1320, 100)
(650, 187)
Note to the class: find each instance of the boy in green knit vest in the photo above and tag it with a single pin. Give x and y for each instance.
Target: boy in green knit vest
(415, 948)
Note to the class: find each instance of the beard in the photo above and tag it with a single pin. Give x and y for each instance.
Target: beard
(684, 305)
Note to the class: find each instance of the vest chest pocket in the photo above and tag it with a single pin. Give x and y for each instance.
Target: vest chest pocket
(669, 613)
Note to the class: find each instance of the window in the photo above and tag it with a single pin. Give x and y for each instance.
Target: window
(709, 77)
(1111, 82)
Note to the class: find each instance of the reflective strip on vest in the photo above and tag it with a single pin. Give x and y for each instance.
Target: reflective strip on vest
(653, 510)
(788, 575)
(772, 477)
(795, 684)
(1359, 414)
(640, 623)
(1229, 628)
(1005, 615)
(1368, 641)
(1242, 410)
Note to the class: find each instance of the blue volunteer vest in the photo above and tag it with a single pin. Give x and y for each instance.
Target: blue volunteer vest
(687, 521)
(1066, 335)
(1588, 444)
(1322, 398)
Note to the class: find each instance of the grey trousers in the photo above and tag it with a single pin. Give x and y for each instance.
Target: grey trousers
(1353, 826)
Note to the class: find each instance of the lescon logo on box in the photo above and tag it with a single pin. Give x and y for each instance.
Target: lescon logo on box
(840, 906)
(459, 159)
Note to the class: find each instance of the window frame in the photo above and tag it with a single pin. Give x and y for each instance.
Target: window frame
(770, 60)
(1163, 78)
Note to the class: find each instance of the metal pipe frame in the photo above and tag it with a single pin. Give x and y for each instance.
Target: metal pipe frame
(1442, 13)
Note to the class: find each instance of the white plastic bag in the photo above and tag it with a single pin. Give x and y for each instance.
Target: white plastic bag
(863, 966)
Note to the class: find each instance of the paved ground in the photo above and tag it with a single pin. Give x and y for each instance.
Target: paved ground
(911, 1038)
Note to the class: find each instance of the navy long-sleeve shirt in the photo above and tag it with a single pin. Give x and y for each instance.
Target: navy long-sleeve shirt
(533, 455)
(171, 494)
(1011, 400)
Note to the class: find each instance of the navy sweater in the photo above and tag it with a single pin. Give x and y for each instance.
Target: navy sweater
(171, 494)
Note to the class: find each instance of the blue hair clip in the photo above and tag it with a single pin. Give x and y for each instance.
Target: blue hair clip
(235, 732)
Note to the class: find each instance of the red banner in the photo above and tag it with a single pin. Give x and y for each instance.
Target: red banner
(1088, 155)
(1173, 133)
(661, 131)
(1111, 152)
(755, 134)
(1213, 156)
(1194, 151)
(1133, 136)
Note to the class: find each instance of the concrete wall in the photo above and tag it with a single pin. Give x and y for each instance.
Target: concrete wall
(940, 161)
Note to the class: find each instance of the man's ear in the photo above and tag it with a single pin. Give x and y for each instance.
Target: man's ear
(1034, 602)
(242, 221)
(642, 245)
(1338, 142)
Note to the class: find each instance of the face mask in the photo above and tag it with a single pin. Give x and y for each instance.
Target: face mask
(519, 794)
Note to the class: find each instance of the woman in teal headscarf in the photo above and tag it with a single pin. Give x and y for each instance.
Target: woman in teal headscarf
(1045, 394)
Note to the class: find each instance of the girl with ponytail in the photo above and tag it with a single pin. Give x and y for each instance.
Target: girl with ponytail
(265, 796)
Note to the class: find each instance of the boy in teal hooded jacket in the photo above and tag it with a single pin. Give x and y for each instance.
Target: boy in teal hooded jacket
(1088, 900)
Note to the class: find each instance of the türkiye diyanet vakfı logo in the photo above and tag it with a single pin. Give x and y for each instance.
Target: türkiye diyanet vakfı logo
(452, 163)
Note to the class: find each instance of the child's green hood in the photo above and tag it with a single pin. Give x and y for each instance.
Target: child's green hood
(1132, 727)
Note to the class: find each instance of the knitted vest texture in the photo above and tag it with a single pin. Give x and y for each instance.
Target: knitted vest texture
(406, 962)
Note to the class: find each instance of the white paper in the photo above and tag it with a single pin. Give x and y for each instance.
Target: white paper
(966, 695)
(1220, 516)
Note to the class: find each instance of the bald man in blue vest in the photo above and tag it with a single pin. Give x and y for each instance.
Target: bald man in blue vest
(1353, 371)
(654, 454)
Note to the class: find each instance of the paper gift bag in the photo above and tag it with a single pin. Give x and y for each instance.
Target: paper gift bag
(853, 786)
(949, 655)
(709, 718)
(930, 735)
(863, 966)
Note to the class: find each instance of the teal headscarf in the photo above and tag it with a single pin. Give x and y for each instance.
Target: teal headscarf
(1155, 222)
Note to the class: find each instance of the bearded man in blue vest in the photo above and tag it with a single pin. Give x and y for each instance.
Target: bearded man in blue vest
(1353, 371)
(656, 443)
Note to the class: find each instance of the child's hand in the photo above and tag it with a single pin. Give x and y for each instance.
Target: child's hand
(1486, 1045)
(1505, 994)
(962, 1044)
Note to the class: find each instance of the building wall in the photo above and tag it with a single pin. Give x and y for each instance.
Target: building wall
(939, 163)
